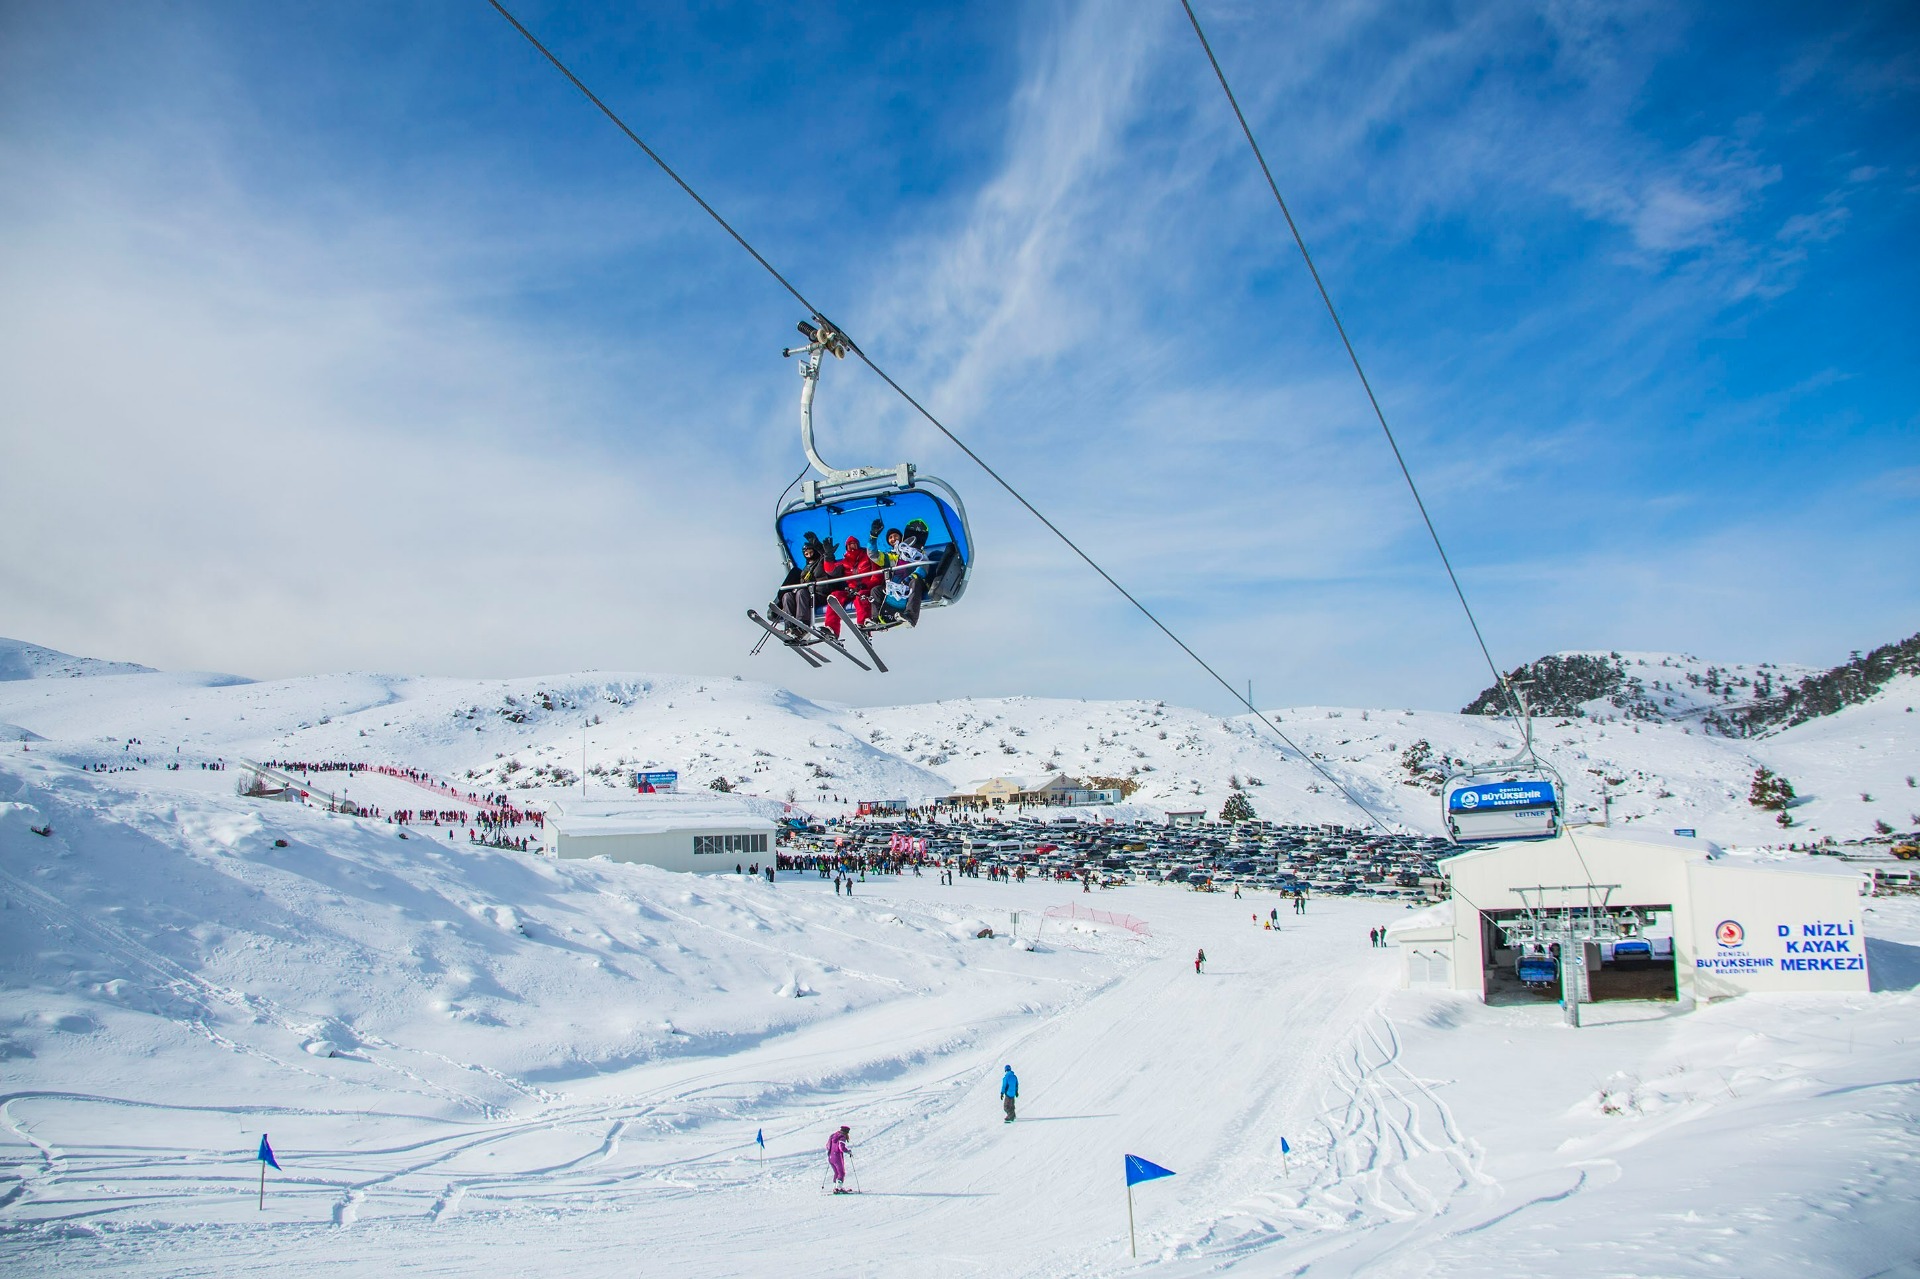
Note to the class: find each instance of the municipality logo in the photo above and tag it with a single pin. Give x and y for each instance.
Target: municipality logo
(1729, 934)
(1470, 799)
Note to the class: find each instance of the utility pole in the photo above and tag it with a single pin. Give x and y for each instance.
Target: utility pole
(583, 759)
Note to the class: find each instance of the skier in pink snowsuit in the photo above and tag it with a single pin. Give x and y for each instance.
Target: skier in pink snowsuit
(837, 1159)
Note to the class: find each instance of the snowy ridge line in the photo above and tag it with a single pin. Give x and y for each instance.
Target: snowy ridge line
(768, 744)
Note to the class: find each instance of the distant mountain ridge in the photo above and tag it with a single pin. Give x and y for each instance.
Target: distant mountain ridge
(21, 660)
(537, 735)
(1726, 699)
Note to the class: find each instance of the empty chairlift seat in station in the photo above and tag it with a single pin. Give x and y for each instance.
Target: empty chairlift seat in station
(1684, 921)
(671, 832)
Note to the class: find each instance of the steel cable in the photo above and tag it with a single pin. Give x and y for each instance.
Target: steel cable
(935, 422)
(1300, 242)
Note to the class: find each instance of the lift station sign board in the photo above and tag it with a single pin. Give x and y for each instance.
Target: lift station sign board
(665, 782)
(1744, 950)
(1501, 797)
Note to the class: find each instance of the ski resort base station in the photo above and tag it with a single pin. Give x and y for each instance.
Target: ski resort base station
(1707, 926)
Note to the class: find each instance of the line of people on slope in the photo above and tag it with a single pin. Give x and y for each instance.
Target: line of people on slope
(879, 583)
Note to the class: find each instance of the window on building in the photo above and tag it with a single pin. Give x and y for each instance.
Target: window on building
(728, 844)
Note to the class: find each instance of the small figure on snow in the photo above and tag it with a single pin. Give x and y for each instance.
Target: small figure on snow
(1199, 961)
(838, 1147)
(1009, 1092)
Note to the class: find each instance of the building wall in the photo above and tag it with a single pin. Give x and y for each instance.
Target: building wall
(669, 850)
(1796, 931)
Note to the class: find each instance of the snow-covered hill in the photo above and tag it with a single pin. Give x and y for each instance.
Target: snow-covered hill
(536, 734)
(21, 660)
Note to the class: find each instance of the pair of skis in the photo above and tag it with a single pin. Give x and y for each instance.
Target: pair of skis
(800, 636)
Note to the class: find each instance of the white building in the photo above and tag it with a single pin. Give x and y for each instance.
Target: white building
(1714, 926)
(669, 831)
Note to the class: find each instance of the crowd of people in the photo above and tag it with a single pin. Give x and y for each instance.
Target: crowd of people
(495, 821)
(879, 584)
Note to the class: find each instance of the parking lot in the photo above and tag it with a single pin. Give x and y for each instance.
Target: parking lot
(1217, 856)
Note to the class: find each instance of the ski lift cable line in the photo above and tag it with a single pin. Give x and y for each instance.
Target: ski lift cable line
(937, 424)
(1300, 242)
(1520, 710)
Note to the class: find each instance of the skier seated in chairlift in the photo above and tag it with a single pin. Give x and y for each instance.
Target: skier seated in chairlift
(855, 593)
(798, 597)
(899, 593)
(909, 580)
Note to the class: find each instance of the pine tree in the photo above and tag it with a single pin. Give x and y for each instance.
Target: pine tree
(1238, 808)
(1770, 790)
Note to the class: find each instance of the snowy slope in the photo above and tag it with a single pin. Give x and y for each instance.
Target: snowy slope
(471, 1061)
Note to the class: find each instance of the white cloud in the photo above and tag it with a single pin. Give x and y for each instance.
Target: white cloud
(1689, 204)
(232, 443)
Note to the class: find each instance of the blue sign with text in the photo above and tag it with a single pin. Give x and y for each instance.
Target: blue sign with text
(1500, 797)
(656, 781)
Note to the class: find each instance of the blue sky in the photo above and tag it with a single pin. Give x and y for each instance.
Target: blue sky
(349, 336)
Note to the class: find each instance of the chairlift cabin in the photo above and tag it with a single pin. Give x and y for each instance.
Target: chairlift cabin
(1518, 798)
(861, 507)
(1630, 950)
(1537, 969)
(921, 499)
(1486, 805)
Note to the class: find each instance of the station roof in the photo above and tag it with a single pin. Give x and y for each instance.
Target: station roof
(657, 816)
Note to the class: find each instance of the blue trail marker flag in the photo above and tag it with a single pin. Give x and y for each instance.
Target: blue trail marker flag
(1285, 1149)
(760, 1136)
(266, 1161)
(1139, 1170)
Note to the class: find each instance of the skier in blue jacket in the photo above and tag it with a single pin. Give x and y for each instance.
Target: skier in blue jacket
(1009, 1091)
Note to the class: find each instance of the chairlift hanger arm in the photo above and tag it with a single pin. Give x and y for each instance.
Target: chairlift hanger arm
(823, 338)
